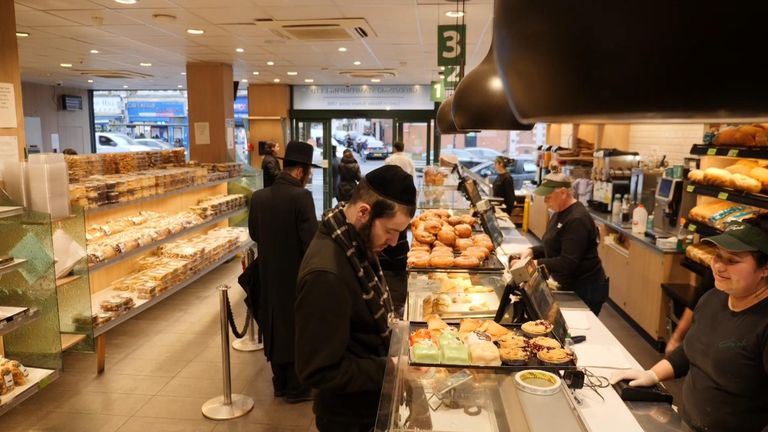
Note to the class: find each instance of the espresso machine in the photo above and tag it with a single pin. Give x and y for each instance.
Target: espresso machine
(666, 212)
(611, 175)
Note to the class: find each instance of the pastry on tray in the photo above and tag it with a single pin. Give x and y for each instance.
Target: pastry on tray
(536, 328)
(555, 356)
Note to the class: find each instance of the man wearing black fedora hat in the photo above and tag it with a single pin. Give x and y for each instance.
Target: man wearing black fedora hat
(344, 310)
(282, 222)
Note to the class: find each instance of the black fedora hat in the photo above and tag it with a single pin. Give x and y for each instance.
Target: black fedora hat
(301, 152)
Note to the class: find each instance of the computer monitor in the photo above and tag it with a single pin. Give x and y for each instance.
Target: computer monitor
(473, 194)
(491, 226)
(540, 302)
(666, 189)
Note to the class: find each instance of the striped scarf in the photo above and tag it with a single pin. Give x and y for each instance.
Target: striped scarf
(373, 286)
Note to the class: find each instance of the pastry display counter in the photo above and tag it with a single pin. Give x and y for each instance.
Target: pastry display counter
(453, 295)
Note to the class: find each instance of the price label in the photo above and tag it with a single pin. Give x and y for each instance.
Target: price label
(722, 195)
(691, 188)
(712, 151)
(733, 153)
(692, 227)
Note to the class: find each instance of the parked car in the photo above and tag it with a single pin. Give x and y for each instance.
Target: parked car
(374, 149)
(465, 158)
(486, 154)
(524, 169)
(155, 144)
(108, 142)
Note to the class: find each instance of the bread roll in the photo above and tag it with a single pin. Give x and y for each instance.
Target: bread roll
(463, 243)
(432, 226)
(446, 236)
(760, 174)
(747, 184)
(718, 177)
(742, 169)
(469, 325)
(463, 230)
(749, 136)
(455, 220)
(423, 237)
(696, 176)
(466, 261)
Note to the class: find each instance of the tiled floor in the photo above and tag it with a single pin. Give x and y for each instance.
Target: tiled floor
(165, 363)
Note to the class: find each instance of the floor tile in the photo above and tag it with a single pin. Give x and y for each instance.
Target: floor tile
(23, 417)
(194, 387)
(163, 367)
(279, 413)
(120, 404)
(110, 382)
(79, 422)
(149, 424)
(239, 426)
(173, 407)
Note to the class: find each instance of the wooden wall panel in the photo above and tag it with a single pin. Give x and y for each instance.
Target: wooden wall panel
(9, 68)
(272, 103)
(211, 98)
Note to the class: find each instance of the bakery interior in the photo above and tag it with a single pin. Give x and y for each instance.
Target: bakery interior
(109, 307)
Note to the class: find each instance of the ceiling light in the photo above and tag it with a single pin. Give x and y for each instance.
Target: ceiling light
(375, 80)
(442, 68)
(292, 73)
(342, 49)
(183, 73)
(243, 80)
(94, 51)
(276, 80)
(195, 31)
(239, 50)
(357, 63)
(90, 81)
(180, 86)
(125, 86)
(255, 72)
(126, 1)
(454, 14)
(270, 63)
(309, 80)
(22, 34)
(66, 65)
(145, 64)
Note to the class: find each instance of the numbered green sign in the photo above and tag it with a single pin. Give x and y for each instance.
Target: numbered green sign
(451, 77)
(438, 91)
(451, 44)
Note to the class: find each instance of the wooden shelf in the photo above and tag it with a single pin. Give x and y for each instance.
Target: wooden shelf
(95, 210)
(8, 211)
(142, 305)
(7, 268)
(172, 237)
(730, 151)
(68, 340)
(15, 321)
(727, 194)
(36, 381)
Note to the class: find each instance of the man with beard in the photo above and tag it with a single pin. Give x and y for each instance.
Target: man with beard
(343, 307)
(282, 222)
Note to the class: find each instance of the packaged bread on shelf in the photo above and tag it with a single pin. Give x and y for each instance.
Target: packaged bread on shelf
(701, 253)
(718, 214)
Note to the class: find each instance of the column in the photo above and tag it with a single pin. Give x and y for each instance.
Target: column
(211, 98)
(10, 74)
(268, 108)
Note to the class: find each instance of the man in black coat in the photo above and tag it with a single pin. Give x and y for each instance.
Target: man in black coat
(269, 164)
(282, 222)
(344, 310)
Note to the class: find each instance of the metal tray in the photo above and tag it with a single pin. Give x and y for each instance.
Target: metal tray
(492, 264)
(533, 361)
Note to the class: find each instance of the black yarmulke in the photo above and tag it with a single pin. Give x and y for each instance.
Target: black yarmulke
(391, 182)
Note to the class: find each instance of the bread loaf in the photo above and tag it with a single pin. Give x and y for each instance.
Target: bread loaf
(745, 183)
(741, 168)
(718, 177)
(701, 253)
(696, 176)
(760, 174)
(749, 136)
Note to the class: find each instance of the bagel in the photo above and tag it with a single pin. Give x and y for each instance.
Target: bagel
(446, 237)
(463, 243)
(432, 226)
(469, 220)
(477, 252)
(419, 261)
(423, 237)
(466, 261)
(440, 261)
(463, 230)
(455, 220)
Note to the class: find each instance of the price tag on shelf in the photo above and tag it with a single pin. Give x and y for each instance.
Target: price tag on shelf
(691, 188)
(711, 152)
(733, 153)
(692, 227)
(722, 195)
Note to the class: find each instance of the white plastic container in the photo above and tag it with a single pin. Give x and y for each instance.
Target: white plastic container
(49, 184)
(639, 220)
(17, 182)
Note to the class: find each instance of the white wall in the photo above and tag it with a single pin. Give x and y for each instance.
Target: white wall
(673, 140)
(73, 127)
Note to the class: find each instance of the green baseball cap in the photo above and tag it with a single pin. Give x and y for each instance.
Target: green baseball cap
(548, 186)
(741, 237)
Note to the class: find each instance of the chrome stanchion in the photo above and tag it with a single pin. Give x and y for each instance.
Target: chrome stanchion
(249, 342)
(229, 405)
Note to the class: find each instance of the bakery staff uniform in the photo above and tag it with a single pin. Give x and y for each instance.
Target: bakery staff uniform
(569, 253)
(271, 168)
(504, 187)
(282, 222)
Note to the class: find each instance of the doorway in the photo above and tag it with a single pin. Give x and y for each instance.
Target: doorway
(317, 133)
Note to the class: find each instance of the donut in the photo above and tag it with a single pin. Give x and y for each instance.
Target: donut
(415, 243)
(440, 260)
(424, 249)
(423, 237)
(463, 230)
(463, 243)
(488, 245)
(432, 226)
(454, 220)
(466, 261)
(480, 237)
(442, 213)
(442, 251)
(475, 252)
(446, 236)
(419, 261)
(469, 220)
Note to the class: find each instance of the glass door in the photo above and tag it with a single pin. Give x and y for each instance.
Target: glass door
(318, 134)
(416, 137)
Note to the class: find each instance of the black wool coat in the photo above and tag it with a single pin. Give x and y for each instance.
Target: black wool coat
(282, 222)
(349, 175)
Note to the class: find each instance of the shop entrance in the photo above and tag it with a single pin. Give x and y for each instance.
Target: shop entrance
(317, 133)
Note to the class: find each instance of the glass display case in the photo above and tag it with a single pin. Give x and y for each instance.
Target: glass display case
(454, 295)
(442, 197)
(458, 400)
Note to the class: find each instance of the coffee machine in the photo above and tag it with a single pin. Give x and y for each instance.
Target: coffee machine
(611, 174)
(666, 212)
(642, 186)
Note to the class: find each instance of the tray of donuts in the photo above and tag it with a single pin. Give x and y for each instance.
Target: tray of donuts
(479, 343)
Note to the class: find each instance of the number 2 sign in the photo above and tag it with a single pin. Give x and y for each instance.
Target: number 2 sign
(451, 44)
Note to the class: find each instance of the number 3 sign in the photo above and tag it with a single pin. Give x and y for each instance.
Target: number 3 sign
(451, 44)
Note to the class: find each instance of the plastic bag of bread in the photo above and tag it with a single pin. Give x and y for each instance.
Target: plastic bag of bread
(701, 253)
(760, 174)
(718, 177)
(749, 136)
(745, 183)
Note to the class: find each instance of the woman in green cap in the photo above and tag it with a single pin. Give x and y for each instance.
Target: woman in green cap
(724, 356)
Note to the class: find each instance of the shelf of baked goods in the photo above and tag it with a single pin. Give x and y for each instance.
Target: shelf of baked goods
(701, 229)
(729, 194)
(730, 151)
(158, 276)
(93, 266)
(453, 295)
(11, 266)
(12, 318)
(34, 380)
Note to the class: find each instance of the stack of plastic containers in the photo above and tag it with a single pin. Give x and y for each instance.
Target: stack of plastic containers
(48, 184)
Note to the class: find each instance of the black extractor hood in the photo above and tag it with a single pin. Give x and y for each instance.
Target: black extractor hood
(480, 101)
(644, 61)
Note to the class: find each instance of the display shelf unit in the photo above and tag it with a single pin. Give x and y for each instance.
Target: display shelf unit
(100, 209)
(730, 151)
(170, 238)
(701, 228)
(37, 380)
(142, 305)
(9, 211)
(6, 268)
(727, 194)
(13, 322)
(69, 340)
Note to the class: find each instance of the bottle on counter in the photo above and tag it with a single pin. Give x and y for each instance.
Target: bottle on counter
(649, 224)
(616, 209)
(625, 205)
(639, 220)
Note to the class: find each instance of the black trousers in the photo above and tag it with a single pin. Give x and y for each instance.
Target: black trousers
(594, 293)
(285, 382)
(327, 425)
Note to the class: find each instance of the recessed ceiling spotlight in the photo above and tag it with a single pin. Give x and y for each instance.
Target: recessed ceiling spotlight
(94, 51)
(127, 1)
(145, 64)
(270, 63)
(195, 31)
(375, 80)
(183, 73)
(276, 80)
(255, 72)
(125, 86)
(342, 49)
(22, 34)
(454, 14)
(357, 63)
(164, 18)
(292, 73)
(90, 81)
(65, 65)
(244, 80)
(240, 50)
(309, 80)
(180, 86)
(442, 68)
